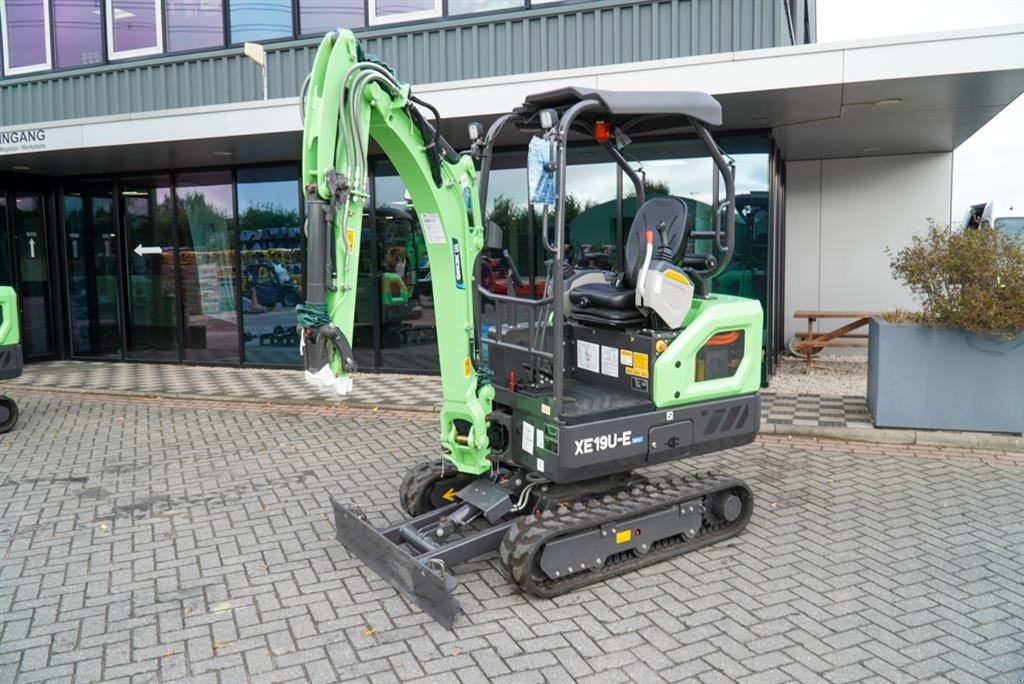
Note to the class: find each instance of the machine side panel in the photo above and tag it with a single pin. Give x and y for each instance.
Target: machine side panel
(675, 380)
(570, 453)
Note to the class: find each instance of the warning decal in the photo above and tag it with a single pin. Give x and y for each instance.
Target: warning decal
(639, 368)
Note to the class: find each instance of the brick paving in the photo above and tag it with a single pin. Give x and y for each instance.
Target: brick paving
(418, 392)
(159, 539)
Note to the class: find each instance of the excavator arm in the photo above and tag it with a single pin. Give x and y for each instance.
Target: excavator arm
(349, 99)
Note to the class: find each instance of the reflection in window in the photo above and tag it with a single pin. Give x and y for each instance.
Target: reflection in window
(26, 37)
(93, 288)
(408, 333)
(206, 257)
(270, 240)
(394, 11)
(5, 242)
(194, 24)
(147, 213)
(77, 33)
(253, 20)
(321, 16)
(134, 27)
(471, 6)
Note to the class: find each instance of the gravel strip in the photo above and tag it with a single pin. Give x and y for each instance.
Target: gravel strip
(829, 376)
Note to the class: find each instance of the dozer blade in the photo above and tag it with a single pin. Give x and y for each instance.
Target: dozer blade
(429, 586)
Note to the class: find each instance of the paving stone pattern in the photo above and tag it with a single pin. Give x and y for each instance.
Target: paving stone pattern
(815, 410)
(152, 540)
(371, 389)
(256, 384)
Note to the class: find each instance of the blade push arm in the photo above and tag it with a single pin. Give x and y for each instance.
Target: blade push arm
(349, 100)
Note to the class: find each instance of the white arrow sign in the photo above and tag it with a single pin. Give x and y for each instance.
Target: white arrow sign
(140, 250)
(74, 249)
(31, 248)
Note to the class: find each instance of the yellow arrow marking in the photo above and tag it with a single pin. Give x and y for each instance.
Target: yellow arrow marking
(449, 495)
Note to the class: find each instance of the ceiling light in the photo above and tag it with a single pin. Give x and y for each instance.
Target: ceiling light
(222, 153)
(22, 168)
(889, 101)
(870, 149)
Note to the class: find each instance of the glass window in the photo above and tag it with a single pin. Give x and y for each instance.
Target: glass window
(34, 288)
(148, 216)
(206, 263)
(26, 35)
(270, 244)
(394, 11)
(134, 27)
(194, 24)
(5, 244)
(91, 247)
(471, 6)
(591, 209)
(321, 16)
(77, 33)
(253, 20)
(408, 333)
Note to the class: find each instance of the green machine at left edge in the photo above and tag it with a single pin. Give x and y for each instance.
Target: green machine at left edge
(10, 354)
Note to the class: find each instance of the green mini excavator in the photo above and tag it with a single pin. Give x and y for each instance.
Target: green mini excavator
(552, 405)
(10, 354)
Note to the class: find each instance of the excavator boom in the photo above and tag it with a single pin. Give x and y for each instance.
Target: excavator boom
(348, 100)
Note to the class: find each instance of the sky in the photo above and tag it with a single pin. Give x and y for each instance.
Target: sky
(988, 166)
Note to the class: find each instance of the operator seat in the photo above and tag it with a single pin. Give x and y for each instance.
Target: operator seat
(664, 291)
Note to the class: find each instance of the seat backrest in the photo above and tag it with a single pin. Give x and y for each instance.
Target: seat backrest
(671, 211)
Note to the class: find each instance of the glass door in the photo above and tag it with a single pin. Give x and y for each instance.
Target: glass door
(94, 299)
(33, 274)
(151, 318)
(207, 267)
(270, 240)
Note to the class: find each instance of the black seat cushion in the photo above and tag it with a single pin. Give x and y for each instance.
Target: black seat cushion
(602, 296)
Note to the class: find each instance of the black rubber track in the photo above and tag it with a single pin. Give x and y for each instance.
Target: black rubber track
(523, 544)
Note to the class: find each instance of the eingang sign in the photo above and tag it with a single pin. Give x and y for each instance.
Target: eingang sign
(24, 140)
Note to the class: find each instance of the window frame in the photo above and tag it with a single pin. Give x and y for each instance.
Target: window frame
(5, 39)
(113, 54)
(373, 19)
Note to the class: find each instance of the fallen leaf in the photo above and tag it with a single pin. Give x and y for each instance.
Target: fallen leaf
(369, 632)
(104, 526)
(186, 611)
(168, 653)
(223, 606)
(218, 646)
(270, 488)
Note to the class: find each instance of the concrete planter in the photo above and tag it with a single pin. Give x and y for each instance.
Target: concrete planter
(944, 379)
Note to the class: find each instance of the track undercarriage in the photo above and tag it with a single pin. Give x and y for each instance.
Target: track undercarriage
(551, 538)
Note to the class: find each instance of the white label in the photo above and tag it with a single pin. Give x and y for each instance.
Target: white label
(540, 438)
(540, 465)
(610, 361)
(588, 356)
(432, 229)
(528, 433)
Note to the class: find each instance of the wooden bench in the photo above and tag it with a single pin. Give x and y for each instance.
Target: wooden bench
(810, 343)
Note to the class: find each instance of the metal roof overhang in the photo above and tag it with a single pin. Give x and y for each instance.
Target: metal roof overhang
(906, 95)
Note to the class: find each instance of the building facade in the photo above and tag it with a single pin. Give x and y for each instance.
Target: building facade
(150, 207)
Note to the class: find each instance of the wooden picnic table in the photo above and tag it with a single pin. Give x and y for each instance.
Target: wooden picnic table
(809, 343)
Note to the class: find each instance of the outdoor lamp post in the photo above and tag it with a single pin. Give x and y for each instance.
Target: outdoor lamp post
(256, 53)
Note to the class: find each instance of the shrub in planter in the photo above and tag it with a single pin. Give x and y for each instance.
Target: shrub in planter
(959, 362)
